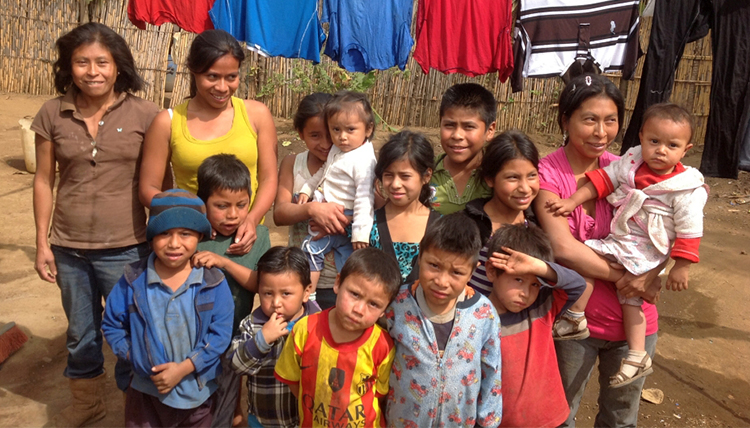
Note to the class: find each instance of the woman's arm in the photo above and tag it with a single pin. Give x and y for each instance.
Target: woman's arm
(577, 256)
(569, 251)
(155, 158)
(262, 121)
(285, 213)
(44, 182)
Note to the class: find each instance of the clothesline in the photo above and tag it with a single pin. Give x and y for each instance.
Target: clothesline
(472, 37)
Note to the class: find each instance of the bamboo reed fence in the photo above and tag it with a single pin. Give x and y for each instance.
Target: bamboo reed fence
(29, 28)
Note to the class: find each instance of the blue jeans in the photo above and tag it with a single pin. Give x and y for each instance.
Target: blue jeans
(316, 251)
(576, 358)
(85, 277)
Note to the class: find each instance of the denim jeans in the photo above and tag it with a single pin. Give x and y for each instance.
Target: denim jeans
(576, 358)
(316, 251)
(85, 277)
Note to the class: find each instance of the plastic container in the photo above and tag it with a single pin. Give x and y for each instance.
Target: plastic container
(27, 141)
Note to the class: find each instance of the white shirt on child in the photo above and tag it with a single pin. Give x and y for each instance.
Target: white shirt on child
(347, 179)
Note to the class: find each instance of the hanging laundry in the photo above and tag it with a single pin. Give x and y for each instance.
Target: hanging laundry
(365, 36)
(156, 12)
(471, 37)
(744, 161)
(677, 23)
(550, 35)
(288, 28)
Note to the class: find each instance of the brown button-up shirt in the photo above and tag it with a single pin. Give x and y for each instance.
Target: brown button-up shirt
(97, 203)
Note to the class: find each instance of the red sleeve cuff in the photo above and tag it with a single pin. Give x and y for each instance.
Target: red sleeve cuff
(686, 248)
(282, 380)
(601, 181)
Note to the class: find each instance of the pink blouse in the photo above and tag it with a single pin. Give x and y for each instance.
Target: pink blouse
(603, 312)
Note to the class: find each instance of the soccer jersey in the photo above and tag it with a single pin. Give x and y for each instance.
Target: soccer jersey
(339, 383)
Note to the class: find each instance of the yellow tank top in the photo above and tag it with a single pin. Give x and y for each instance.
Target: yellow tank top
(188, 152)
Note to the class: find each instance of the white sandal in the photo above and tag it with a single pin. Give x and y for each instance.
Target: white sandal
(620, 379)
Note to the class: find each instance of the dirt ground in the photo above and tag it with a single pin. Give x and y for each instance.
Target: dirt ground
(704, 335)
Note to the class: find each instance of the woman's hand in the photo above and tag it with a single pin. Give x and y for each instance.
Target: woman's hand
(653, 291)
(45, 264)
(359, 245)
(630, 285)
(329, 217)
(244, 238)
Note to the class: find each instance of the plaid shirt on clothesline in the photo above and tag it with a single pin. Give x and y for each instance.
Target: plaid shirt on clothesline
(269, 400)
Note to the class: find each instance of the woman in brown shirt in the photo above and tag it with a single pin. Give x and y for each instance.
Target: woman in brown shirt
(93, 132)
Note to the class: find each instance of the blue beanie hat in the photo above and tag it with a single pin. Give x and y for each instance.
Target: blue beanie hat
(177, 208)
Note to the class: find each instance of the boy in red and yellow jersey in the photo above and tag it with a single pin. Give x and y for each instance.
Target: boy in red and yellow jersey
(337, 362)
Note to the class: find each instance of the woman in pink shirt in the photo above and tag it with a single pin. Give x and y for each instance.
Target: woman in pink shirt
(590, 114)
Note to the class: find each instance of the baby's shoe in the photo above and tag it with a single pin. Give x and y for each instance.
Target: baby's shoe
(635, 366)
(570, 327)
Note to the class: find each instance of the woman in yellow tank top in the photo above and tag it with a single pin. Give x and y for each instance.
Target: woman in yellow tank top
(212, 121)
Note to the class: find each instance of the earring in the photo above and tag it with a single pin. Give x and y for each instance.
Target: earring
(565, 138)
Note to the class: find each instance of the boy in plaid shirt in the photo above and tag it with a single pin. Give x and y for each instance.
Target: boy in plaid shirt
(284, 289)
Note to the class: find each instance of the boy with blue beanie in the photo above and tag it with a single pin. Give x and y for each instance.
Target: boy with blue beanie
(170, 321)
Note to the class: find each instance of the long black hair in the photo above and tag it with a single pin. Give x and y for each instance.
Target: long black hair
(509, 145)
(312, 105)
(127, 80)
(208, 47)
(415, 148)
(586, 86)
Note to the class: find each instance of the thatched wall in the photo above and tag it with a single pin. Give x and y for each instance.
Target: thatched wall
(29, 28)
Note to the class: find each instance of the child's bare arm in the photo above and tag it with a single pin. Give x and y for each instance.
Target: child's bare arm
(564, 207)
(678, 275)
(360, 245)
(302, 199)
(294, 389)
(244, 276)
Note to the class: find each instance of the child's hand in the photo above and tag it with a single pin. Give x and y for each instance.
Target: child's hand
(208, 259)
(560, 207)
(302, 199)
(168, 375)
(517, 263)
(274, 328)
(359, 245)
(678, 277)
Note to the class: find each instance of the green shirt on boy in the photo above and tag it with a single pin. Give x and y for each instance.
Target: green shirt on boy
(444, 195)
(243, 299)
